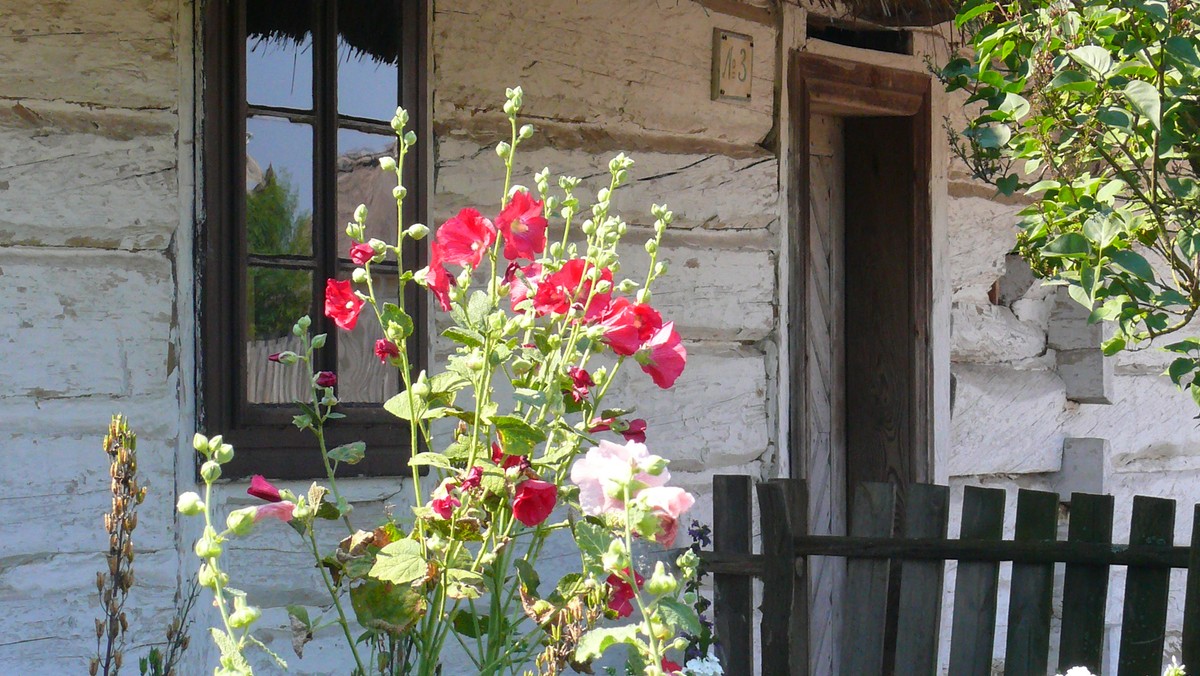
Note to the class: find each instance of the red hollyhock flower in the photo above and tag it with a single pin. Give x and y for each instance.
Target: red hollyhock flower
(567, 288)
(581, 380)
(275, 357)
(386, 349)
(670, 667)
(636, 431)
(628, 325)
(524, 227)
(262, 489)
(326, 379)
(466, 238)
(361, 253)
(444, 507)
(620, 594)
(518, 284)
(663, 356)
(534, 501)
(473, 479)
(342, 305)
(436, 278)
(504, 460)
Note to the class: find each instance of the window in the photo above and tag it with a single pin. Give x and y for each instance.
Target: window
(298, 95)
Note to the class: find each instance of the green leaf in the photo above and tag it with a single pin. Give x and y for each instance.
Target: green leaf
(592, 541)
(400, 406)
(400, 562)
(1118, 118)
(1014, 105)
(1112, 346)
(1110, 190)
(1068, 245)
(349, 453)
(992, 136)
(531, 398)
(1072, 80)
(1102, 228)
(679, 615)
(381, 606)
(462, 336)
(397, 325)
(528, 575)
(1096, 59)
(1180, 367)
(593, 644)
(478, 308)
(517, 436)
(431, 460)
(972, 12)
(1183, 52)
(469, 625)
(1144, 98)
(1135, 264)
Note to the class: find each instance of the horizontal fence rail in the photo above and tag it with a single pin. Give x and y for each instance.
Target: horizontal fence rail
(894, 584)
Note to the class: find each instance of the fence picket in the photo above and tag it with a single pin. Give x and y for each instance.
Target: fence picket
(1027, 648)
(733, 603)
(1144, 621)
(1085, 587)
(1191, 605)
(778, 581)
(974, 629)
(866, 602)
(925, 515)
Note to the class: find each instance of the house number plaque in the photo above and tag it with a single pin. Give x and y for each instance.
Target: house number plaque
(733, 56)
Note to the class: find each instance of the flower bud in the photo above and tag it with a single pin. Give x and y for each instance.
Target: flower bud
(210, 471)
(616, 558)
(660, 268)
(223, 454)
(241, 521)
(522, 366)
(420, 389)
(207, 547)
(526, 131)
(651, 246)
(399, 193)
(654, 465)
(661, 582)
(318, 341)
(200, 442)
(503, 149)
(359, 276)
(189, 504)
(360, 213)
(387, 163)
(643, 296)
(510, 108)
(244, 617)
(401, 116)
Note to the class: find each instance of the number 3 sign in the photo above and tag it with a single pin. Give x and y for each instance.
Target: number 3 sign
(733, 56)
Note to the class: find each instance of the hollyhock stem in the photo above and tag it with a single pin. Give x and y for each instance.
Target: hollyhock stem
(337, 604)
(630, 578)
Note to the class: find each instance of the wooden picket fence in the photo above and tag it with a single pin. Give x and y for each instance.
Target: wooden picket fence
(895, 561)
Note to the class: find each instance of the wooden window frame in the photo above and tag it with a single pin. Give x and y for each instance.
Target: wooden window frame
(266, 441)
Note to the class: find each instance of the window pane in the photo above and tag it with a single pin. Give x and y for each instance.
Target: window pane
(368, 58)
(361, 376)
(279, 186)
(361, 181)
(276, 299)
(279, 61)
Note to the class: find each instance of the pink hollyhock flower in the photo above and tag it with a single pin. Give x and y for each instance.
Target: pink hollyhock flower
(628, 325)
(518, 288)
(437, 279)
(560, 291)
(466, 238)
(473, 478)
(361, 253)
(620, 593)
(342, 305)
(386, 349)
(604, 465)
(263, 489)
(276, 510)
(326, 379)
(442, 502)
(668, 503)
(275, 357)
(663, 356)
(581, 380)
(636, 431)
(524, 227)
(534, 501)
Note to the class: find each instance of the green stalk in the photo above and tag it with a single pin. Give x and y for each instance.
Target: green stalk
(337, 604)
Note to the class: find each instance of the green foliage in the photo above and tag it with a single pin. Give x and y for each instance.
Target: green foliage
(276, 225)
(1092, 109)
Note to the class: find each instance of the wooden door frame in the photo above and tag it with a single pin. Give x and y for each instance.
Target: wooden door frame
(833, 86)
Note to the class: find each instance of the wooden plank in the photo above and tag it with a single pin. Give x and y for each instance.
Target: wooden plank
(920, 613)
(1029, 605)
(1004, 550)
(1143, 625)
(1085, 587)
(778, 581)
(798, 631)
(733, 602)
(866, 600)
(974, 628)
(1191, 605)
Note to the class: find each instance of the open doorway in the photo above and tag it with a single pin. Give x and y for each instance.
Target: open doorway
(860, 293)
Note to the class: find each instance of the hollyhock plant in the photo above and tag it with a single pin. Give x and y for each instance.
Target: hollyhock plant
(452, 567)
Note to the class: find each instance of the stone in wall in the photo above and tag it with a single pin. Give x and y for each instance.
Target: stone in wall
(981, 232)
(1006, 421)
(992, 334)
(633, 67)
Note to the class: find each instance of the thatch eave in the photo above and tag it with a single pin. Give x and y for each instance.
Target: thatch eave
(895, 13)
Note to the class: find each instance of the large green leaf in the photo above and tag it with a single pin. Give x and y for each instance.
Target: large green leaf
(1144, 98)
(679, 615)
(1095, 59)
(400, 562)
(1135, 264)
(386, 607)
(349, 453)
(1069, 245)
(517, 436)
(593, 644)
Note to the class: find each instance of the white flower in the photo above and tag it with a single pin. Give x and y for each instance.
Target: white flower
(708, 665)
(1078, 671)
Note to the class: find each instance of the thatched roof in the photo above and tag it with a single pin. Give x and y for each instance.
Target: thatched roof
(897, 12)
(360, 24)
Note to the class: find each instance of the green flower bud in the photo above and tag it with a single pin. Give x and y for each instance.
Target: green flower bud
(660, 268)
(643, 295)
(401, 116)
(410, 138)
(206, 576)
(510, 108)
(655, 465)
(190, 504)
(420, 389)
(616, 558)
(526, 131)
(222, 454)
(210, 471)
(627, 286)
(318, 341)
(661, 582)
(399, 193)
(475, 362)
(200, 443)
(287, 357)
(241, 521)
(245, 617)
(359, 276)
(387, 163)
(360, 214)
(651, 246)
(417, 231)
(208, 546)
(503, 149)
(354, 231)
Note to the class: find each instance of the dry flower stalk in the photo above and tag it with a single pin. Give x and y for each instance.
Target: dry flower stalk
(113, 587)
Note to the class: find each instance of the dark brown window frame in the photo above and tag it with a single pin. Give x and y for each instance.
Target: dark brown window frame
(266, 441)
